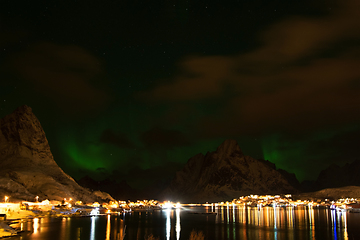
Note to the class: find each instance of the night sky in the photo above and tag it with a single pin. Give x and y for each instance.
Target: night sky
(132, 89)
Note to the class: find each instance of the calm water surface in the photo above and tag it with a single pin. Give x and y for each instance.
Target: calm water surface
(230, 223)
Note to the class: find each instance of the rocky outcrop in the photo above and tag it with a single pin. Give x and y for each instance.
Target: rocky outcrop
(27, 166)
(226, 174)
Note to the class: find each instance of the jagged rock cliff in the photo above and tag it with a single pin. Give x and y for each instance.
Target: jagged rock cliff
(27, 167)
(224, 175)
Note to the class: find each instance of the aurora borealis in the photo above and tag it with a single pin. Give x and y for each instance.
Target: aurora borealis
(132, 90)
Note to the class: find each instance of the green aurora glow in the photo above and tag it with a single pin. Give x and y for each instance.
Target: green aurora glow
(199, 72)
(300, 155)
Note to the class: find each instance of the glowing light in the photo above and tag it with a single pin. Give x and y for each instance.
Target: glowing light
(92, 230)
(178, 226)
(178, 205)
(6, 198)
(168, 224)
(274, 207)
(94, 212)
(36, 225)
(345, 227)
(168, 205)
(108, 226)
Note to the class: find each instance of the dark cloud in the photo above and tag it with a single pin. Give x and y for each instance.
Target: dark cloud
(163, 138)
(118, 139)
(203, 77)
(66, 74)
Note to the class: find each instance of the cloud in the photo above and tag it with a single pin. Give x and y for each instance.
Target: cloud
(163, 138)
(116, 139)
(299, 37)
(303, 75)
(202, 77)
(65, 74)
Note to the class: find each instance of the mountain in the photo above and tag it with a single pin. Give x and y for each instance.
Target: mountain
(27, 166)
(336, 176)
(227, 174)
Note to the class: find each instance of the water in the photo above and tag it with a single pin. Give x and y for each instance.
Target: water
(230, 223)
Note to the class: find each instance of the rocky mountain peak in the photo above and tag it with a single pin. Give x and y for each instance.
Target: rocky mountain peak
(21, 134)
(337, 176)
(229, 147)
(227, 174)
(27, 166)
(24, 109)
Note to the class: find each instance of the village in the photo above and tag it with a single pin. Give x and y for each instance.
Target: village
(11, 212)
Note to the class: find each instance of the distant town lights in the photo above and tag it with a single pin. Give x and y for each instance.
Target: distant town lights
(168, 205)
(95, 212)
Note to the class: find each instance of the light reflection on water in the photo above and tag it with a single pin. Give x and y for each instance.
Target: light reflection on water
(169, 216)
(178, 225)
(168, 223)
(36, 226)
(108, 227)
(92, 229)
(230, 223)
(280, 223)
